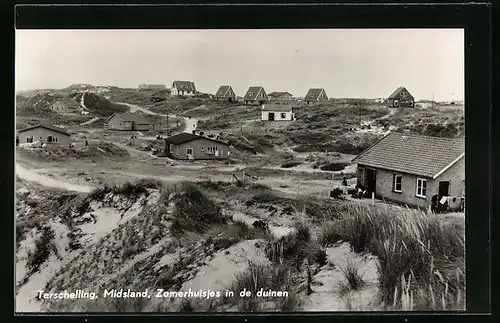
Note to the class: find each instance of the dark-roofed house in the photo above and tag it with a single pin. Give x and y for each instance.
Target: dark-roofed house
(411, 169)
(255, 96)
(127, 121)
(46, 133)
(315, 95)
(190, 146)
(277, 112)
(225, 93)
(280, 96)
(183, 88)
(401, 98)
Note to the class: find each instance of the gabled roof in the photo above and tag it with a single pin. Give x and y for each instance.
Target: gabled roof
(47, 126)
(185, 85)
(413, 154)
(277, 107)
(276, 94)
(184, 137)
(313, 94)
(222, 91)
(128, 116)
(252, 93)
(396, 93)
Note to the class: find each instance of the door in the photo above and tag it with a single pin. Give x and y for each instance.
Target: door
(371, 180)
(271, 116)
(444, 188)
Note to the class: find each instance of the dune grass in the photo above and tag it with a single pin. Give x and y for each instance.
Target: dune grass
(421, 258)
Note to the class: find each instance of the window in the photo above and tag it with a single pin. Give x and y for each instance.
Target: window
(189, 151)
(396, 103)
(421, 188)
(397, 183)
(283, 115)
(403, 94)
(212, 149)
(29, 139)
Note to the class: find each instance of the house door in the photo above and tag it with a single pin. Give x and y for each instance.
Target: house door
(271, 116)
(371, 180)
(444, 188)
(134, 126)
(49, 139)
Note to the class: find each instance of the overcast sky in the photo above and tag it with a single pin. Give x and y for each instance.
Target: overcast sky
(346, 63)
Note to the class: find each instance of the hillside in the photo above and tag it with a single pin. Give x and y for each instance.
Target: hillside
(187, 237)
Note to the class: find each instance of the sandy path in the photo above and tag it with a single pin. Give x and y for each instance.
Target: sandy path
(89, 121)
(33, 176)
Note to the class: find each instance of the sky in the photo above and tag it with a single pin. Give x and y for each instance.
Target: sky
(355, 63)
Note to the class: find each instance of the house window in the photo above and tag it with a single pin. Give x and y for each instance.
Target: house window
(403, 94)
(189, 151)
(421, 187)
(212, 149)
(396, 103)
(397, 183)
(283, 115)
(29, 139)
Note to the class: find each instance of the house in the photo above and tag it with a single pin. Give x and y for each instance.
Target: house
(65, 106)
(411, 169)
(277, 112)
(183, 88)
(255, 96)
(127, 121)
(46, 133)
(190, 146)
(400, 98)
(280, 96)
(315, 95)
(152, 87)
(225, 93)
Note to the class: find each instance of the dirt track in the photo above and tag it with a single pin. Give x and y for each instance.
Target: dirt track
(33, 176)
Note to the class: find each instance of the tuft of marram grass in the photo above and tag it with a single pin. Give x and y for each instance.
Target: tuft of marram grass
(407, 242)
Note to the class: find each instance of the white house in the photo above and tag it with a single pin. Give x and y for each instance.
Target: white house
(277, 112)
(183, 88)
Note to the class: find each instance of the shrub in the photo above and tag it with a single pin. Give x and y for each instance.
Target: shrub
(291, 164)
(334, 166)
(43, 246)
(194, 211)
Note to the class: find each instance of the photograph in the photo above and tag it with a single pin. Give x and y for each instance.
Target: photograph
(239, 170)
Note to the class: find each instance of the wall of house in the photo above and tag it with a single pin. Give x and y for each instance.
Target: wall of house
(115, 123)
(40, 134)
(179, 151)
(384, 185)
(455, 175)
(277, 116)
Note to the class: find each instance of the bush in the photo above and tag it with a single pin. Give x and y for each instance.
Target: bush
(194, 211)
(43, 246)
(291, 164)
(334, 166)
